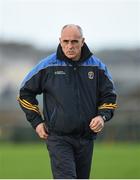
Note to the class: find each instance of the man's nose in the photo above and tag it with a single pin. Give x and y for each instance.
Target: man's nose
(70, 45)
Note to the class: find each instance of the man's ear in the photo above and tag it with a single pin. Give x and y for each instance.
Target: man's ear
(83, 40)
(60, 40)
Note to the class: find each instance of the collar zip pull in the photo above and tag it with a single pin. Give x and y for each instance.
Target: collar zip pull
(75, 66)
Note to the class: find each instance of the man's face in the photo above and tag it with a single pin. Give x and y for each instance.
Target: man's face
(71, 43)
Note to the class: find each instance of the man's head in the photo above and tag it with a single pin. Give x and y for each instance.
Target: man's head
(71, 41)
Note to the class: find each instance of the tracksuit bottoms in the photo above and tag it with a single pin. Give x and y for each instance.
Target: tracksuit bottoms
(70, 156)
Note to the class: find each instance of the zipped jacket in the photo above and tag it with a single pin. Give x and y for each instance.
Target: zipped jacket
(73, 93)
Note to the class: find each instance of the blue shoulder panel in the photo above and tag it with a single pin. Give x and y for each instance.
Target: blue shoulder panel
(94, 61)
(44, 63)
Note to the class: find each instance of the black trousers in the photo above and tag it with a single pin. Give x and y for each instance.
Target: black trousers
(70, 156)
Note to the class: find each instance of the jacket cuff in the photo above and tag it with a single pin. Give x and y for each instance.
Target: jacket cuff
(36, 121)
(106, 114)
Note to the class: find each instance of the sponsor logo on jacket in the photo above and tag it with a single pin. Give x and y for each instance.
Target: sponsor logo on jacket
(59, 72)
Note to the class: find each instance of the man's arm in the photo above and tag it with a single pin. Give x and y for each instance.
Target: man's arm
(30, 88)
(106, 100)
(107, 95)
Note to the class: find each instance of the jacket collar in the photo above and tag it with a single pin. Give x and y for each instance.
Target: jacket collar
(85, 54)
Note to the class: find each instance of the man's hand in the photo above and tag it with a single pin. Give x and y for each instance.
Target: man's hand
(97, 124)
(41, 131)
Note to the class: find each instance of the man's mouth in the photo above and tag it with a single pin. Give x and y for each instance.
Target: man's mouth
(70, 52)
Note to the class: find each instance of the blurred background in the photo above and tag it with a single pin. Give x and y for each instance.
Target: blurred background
(29, 31)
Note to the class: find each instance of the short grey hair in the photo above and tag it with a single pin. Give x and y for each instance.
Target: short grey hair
(73, 25)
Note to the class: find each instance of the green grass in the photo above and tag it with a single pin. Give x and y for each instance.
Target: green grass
(116, 161)
(24, 161)
(111, 161)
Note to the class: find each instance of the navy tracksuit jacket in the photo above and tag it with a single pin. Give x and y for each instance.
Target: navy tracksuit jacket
(73, 93)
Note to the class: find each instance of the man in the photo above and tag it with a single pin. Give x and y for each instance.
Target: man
(78, 97)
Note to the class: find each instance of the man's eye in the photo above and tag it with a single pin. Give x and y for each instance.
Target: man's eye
(65, 41)
(72, 42)
(75, 41)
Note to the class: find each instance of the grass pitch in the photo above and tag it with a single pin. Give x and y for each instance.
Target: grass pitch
(111, 161)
